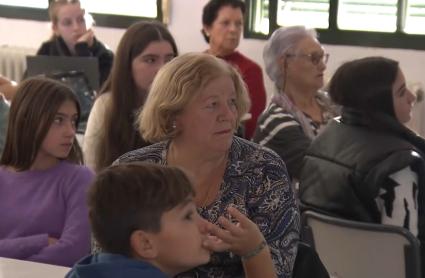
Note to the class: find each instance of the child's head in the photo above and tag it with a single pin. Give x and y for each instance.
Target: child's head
(146, 212)
(135, 41)
(42, 122)
(69, 20)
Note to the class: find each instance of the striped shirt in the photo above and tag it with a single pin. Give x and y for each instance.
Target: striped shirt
(289, 131)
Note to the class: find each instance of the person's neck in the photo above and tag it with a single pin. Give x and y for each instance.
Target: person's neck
(219, 52)
(198, 162)
(42, 162)
(303, 98)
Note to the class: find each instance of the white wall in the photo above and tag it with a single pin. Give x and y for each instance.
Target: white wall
(185, 25)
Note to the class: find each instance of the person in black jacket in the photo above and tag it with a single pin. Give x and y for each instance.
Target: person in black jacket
(73, 36)
(367, 165)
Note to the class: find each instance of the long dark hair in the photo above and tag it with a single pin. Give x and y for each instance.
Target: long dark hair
(31, 114)
(120, 134)
(365, 84)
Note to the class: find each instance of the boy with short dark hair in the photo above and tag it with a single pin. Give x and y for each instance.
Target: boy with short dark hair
(146, 223)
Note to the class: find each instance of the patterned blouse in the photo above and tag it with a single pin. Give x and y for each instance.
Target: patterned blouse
(256, 182)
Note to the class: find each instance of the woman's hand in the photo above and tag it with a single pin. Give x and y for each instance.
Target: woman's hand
(87, 37)
(240, 238)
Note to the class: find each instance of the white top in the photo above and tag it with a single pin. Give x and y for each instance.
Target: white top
(94, 130)
(11, 268)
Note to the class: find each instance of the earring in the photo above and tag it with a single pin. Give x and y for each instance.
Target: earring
(174, 125)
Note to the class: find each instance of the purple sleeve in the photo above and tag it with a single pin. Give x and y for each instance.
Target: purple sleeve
(22, 247)
(74, 241)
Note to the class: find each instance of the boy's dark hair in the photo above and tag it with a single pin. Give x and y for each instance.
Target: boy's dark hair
(365, 84)
(31, 114)
(210, 12)
(133, 196)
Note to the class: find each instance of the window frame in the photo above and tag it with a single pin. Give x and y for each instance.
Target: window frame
(102, 20)
(335, 36)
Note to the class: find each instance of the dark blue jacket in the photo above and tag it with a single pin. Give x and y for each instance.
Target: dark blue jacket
(106, 265)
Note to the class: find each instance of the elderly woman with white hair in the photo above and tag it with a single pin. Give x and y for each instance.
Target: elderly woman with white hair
(295, 61)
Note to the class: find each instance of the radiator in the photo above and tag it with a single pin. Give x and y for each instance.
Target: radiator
(13, 62)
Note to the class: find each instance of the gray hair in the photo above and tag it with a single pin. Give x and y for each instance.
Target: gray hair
(282, 40)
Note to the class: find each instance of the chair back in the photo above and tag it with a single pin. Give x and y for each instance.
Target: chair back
(352, 249)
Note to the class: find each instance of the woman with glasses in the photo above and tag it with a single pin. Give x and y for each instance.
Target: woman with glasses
(295, 61)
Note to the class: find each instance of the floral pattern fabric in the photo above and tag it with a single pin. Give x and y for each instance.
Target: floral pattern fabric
(256, 182)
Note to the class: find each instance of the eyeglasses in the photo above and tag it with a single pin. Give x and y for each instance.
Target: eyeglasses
(315, 58)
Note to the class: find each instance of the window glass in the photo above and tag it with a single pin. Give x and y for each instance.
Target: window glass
(261, 17)
(313, 13)
(362, 15)
(140, 8)
(41, 4)
(415, 17)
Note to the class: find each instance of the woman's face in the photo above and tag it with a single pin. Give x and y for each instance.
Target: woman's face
(145, 66)
(71, 24)
(225, 31)
(403, 99)
(209, 120)
(305, 65)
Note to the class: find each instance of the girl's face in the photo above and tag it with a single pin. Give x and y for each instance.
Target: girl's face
(403, 99)
(71, 24)
(59, 139)
(145, 66)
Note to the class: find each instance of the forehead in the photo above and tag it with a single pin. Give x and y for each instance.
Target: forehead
(219, 85)
(68, 107)
(308, 45)
(158, 47)
(172, 214)
(229, 12)
(69, 10)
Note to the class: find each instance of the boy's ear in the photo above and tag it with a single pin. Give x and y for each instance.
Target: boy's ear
(143, 245)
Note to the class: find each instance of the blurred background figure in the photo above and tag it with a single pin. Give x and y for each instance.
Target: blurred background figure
(73, 35)
(222, 22)
(7, 92)
(295, 61)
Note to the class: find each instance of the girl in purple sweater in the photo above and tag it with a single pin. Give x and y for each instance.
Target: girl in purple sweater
(43, 213)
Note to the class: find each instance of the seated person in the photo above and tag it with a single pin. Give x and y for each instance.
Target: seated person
(295, 61)
(223, 22)
(367, 165)
(145, 220)
(4, 113)
(194, 105)
(73, 36)
(43, 213)
(7, 87)
(143, 49)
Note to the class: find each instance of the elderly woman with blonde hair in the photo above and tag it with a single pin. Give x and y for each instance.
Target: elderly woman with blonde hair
(195, 104)
(295, 61)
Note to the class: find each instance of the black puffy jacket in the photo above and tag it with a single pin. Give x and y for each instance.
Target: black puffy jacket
(347, 165)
